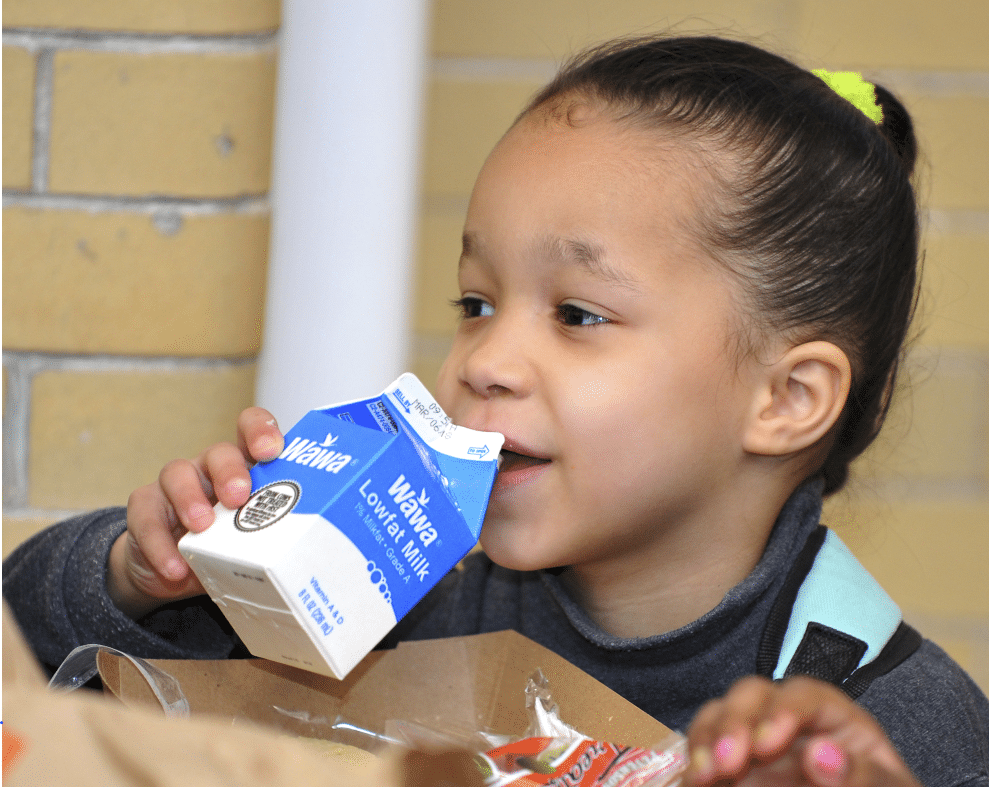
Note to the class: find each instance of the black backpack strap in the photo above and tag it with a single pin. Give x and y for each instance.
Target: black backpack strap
(901, 646)
(832, 621)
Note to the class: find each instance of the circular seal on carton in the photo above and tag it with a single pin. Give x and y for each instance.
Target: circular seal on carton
(266, 506)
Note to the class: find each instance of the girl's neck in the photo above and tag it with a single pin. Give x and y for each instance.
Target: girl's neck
(677, 578)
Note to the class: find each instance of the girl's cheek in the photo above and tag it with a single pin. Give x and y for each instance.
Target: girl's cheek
(590, 396)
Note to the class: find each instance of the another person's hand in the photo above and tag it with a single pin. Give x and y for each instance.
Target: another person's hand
(145, 568)
(796, 732)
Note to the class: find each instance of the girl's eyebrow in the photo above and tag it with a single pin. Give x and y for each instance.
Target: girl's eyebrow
(588, 256)
(568, 250)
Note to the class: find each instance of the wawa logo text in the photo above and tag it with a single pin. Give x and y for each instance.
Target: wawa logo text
(412, 508)
(318, 456)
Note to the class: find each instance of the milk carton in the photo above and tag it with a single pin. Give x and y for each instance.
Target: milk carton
(368, 506)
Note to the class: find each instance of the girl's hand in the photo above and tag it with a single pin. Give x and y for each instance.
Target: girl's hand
(797, 732)
(145, 568)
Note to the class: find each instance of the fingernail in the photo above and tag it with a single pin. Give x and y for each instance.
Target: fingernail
(265, 447)
(724, 748)
(767, 736)
(238, 486)
(200, 516)
(175, 569)
(829, 759)
(728, 753)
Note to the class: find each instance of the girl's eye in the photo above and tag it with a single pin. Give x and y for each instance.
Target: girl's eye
(570, 314)
(469, 307)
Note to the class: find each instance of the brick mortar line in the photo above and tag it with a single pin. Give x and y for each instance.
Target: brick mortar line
(939, 220)
(484, 69)
(35, 39)
(29, 512)
(956, 220)
(41, 120)
(16, 428)
(92, 203)
(32, 363)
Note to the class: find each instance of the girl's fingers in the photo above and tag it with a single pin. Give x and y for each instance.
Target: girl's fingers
(151, 523)
(799, 731)
(188, 494)
(145, 564)
(721, 736)
(225, 475)
(784, 771)
(828, 763)
(258, 435)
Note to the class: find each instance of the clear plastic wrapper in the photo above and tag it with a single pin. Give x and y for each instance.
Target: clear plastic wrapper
(553, 753)
(80, 666)
(549, 752)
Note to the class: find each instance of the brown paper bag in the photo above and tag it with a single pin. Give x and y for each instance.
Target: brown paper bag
(52, 738)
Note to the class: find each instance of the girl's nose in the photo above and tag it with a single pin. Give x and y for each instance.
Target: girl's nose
(497, 361)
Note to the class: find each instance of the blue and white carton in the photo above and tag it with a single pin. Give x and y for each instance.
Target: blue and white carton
(369, 505)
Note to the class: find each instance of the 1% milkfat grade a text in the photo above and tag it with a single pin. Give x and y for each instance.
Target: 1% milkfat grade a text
(409, 529)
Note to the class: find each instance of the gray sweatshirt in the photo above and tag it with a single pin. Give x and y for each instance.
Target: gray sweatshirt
(935, 715)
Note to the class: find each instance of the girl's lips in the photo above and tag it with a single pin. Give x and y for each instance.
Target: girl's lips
(518, 468)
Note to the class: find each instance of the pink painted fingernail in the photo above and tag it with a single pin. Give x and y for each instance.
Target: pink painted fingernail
(829, 759)
(727, 751)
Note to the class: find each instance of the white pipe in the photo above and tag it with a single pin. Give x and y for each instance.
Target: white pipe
(344, 186)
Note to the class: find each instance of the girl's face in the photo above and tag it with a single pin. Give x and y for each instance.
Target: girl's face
(596, 337)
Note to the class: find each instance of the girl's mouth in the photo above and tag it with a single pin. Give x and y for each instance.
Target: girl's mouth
(515, 468)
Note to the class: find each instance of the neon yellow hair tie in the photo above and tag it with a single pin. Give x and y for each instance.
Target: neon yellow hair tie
(852, 87)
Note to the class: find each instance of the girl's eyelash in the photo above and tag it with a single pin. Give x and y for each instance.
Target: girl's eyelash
(572, 315)
(468, 306)
(569, 314)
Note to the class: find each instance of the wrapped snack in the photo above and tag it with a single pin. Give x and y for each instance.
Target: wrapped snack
(569, 762)
(553, 753)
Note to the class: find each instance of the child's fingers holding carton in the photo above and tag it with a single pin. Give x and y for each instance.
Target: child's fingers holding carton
(221, 472)
(798, 731)
(258, 435)
(145, 567)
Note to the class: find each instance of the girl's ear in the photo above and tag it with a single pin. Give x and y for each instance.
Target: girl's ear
(799, 399)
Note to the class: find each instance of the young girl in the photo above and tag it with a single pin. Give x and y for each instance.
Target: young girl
(688, 271)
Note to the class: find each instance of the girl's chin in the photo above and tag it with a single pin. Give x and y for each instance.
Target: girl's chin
(517, 548)
(513, 555)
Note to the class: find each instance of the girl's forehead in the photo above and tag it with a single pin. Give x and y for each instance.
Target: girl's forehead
(600, 195)
(593, 140)
(590, 161)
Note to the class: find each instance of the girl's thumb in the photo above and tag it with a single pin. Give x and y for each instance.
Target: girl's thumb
(830, 765)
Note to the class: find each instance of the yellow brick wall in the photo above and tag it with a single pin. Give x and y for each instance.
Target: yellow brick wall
(135, 175)
(136, 168)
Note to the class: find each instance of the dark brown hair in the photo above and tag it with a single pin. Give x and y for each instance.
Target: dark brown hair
(818, 217)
